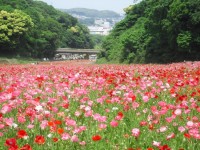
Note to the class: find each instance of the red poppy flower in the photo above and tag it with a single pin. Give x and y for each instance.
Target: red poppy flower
(164, 147)
(187, 135)
(1, 115)
(21, 133)
(149, 148)
(50, 123)
(66, 105)
(10, 90)
(39, 79)
(26, 147)
(37, 99)
(60, 131)
(11, 142)
(96, 138)
(57, 122)
(193, 94)
(151, 127)
(120, 114)
(108, 101)
(55, 139)
(133, 98)
(143, 123)
(39, 139)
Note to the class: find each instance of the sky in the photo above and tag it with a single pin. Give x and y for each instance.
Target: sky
(115, 5)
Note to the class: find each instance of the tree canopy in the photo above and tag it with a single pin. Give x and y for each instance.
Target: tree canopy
(158, 31)
(12, 25)
(33, 28)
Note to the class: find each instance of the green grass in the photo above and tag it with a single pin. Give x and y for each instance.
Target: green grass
(105, 61)
(17, 60)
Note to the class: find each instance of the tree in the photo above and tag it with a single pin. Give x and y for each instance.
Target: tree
(51, 29)
(12, 28)
(158, 31)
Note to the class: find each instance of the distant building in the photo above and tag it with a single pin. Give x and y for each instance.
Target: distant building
(101, 26)
(99, 30)
(106, 24)
(98, 22)
(93, 57)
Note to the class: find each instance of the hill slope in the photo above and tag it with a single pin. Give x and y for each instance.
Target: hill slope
(92, 13)
(156, 31)
(38, 29)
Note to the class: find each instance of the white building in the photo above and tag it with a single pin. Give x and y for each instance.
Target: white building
(99, 30)
(106, 24)
(98, 22)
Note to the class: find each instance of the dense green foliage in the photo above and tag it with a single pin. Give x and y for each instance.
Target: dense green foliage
(158, 31)
(33, 28)
(97, 40)
(12, 26)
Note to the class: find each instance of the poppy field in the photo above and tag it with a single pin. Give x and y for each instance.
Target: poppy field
(80, 106)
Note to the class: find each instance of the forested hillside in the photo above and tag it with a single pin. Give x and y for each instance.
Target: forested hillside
(88, 16)
(35, 29)
(92, 13)
(156, 31)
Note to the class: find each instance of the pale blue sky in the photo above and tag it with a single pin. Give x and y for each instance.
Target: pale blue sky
(115, 5)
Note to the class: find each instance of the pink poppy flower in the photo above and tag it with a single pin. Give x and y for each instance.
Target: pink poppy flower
(114, 123)
(135, 132)
(177, 112)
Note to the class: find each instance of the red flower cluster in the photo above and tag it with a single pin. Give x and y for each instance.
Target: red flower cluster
(11, 143)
